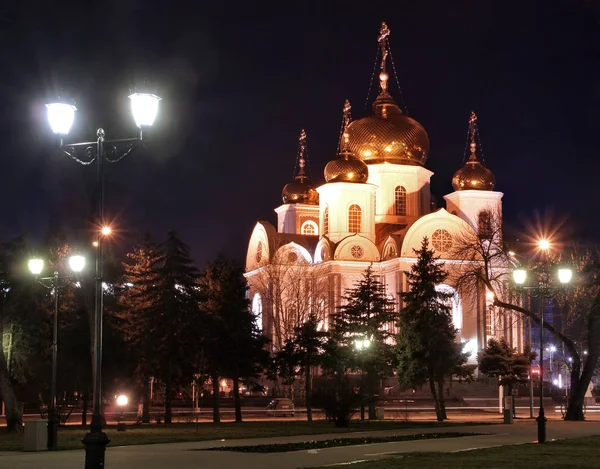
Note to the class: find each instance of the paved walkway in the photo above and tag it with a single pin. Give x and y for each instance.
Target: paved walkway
(184, 455)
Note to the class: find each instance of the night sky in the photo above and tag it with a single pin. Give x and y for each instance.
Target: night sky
(239, 80)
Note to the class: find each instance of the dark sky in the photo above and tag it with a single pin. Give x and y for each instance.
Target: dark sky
(240, 79)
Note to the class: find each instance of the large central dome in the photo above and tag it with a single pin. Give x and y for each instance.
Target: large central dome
(388, 136)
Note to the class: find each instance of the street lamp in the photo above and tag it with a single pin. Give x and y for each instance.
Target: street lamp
(61, 116)
(542, 290)
(122, 401)
(54, 284)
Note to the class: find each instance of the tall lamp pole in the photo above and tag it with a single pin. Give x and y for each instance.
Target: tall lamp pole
(542, 289)
(55, 284)
(61, 116)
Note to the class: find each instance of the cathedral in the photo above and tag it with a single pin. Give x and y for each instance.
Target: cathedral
(374, 209)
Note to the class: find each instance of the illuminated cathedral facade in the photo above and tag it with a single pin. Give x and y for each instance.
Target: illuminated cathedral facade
(374, 209)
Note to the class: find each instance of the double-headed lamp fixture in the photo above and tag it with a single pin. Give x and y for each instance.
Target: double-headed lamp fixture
(144, 107)
(76, 264)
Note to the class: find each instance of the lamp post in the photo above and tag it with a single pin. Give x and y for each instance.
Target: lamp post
(61, 116)
(542, 290)
(122, 401)
(54, 284)
(359, 346)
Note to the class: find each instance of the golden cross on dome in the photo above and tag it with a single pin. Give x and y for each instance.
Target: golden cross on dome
(347, 117)
(472, 131)
(384, 32)
(301, 152)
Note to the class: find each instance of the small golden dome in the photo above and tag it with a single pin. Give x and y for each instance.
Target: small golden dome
(346, 168)
(473, 175)
(388, 135)
(300, 191)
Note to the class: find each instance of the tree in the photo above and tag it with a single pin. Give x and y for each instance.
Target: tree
(363, 323)
(296, 291)
(140, 302)
(500, 360)
(237, 349)
(24, 327)
(162, 317)
(485, 261)
(426, 343)
(308, 350)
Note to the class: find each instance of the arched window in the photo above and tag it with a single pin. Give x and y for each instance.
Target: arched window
(309, 227)
(257, 310)
(400, 201)
(354, 218)
(326, 220)
(484, 224)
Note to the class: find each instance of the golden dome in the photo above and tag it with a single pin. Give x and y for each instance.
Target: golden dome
(473, 175)
(300, 191)
(388, 135)
(346, 168)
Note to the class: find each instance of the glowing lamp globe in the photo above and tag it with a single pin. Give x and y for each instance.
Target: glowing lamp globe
(106, 230)
(544, 244)
(565, 275)
(76, 263)
(144, 107)
(36, 266)
(519, 276)
(122, 400)
(61, 117)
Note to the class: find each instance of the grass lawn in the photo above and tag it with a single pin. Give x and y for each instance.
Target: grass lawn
(572, 453)
(70, 437)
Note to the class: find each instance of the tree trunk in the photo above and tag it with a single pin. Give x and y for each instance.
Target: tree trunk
(236, 400)
(442, 399)
(7, 392)
(216, 399)
(307, 391)
(85, 407)
(146, 400)
(577, 397)
(371, 385)
(435, 400)
(169, 401)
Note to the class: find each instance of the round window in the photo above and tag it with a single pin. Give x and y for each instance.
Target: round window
(441, 240)
(357, 251)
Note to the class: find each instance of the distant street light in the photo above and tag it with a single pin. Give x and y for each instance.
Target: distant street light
(106, 230)
(122, 401)
(55, 284)
(542, 290)
(61, 115)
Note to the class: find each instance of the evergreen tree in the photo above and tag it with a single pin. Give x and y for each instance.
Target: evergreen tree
(308, 345)
(140, 302)
(180, 320)
(426, 343)
(234, 346)
(363, 324)
(499, 360)
(161, 317)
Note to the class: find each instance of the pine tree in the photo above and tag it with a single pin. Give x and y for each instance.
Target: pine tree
(363, 324)
(162, 314)
(180, 322)
(140, 303)
(499, 360)
(426, 343)
(308, 345)
(234, 346)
